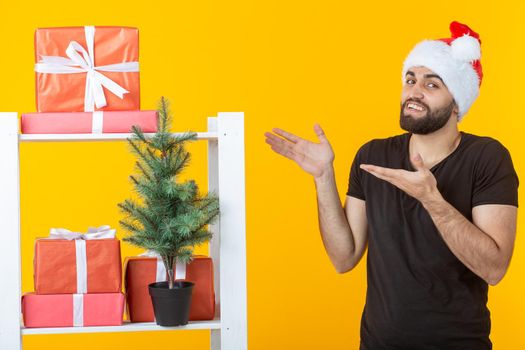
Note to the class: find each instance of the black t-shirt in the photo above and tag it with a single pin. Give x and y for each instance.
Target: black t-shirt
(419, 295)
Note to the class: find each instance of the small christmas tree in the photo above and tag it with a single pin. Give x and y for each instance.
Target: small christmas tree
(172, 217)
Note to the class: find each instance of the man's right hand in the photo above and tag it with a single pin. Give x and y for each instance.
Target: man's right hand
(314, 158)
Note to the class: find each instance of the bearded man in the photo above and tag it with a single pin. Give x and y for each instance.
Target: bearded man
(436, 207)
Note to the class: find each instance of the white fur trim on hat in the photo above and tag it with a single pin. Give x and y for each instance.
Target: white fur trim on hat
(453, 66)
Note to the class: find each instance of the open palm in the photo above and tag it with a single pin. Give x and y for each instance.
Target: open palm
(314, 158)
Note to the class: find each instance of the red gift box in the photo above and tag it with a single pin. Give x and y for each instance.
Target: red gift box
(140, 271)
(87, 69)
(68, 266)
(66, 310)
(88, 122)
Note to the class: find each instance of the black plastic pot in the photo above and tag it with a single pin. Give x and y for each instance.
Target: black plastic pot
(171, 306)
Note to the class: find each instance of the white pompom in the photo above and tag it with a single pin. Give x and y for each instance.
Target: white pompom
(466, 48)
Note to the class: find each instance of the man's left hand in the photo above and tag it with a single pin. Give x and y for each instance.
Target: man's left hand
(420, 184)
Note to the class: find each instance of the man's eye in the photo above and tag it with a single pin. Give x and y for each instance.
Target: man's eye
(432, 85)
(410, 81)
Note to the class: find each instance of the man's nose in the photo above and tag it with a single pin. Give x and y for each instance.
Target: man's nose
(416, 92)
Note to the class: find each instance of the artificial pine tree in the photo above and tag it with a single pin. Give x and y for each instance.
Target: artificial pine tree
(172, 216)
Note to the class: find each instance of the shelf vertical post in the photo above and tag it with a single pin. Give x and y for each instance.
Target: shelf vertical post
(232, 226)
(214, 246)
(10, 292)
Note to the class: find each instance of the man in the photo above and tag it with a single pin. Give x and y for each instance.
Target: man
(436, 207)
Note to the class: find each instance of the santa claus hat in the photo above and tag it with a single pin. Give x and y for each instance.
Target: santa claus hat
(456, 60)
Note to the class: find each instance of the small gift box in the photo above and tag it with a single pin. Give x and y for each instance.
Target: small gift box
(70, 262)
(88, 122)
(140, 271)
(87, 69)
(72, 310)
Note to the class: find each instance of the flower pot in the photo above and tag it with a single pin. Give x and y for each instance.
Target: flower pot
(171, 306)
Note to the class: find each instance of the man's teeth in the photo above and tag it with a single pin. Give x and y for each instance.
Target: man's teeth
(414, 106)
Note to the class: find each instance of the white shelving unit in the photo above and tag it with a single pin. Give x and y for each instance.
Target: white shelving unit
(225, 137)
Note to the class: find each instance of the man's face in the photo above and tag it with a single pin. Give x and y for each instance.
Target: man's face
(426, 103)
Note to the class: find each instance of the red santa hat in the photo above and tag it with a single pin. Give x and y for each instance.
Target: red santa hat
(456, 60)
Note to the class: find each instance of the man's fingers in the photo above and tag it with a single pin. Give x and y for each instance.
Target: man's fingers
(379, 176)
(289, 136)
(382, 176)
(280, 146)
(273, 138)
(386, 172)
(418, 162)
(320, 133)
(275, 141)
(285, 152)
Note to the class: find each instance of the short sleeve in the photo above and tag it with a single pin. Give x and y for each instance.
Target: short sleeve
(495, 180)
(355, 179)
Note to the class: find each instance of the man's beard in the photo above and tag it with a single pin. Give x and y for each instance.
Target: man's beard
(423, 125)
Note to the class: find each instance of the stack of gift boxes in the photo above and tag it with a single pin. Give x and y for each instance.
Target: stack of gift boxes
(77, 280)
(87, 81)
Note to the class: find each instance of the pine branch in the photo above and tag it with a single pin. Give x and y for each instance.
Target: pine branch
(131, 226)
(197, 239)
(204, 203)
(139, 134)
(184, 256)
(206, 221)
(135, 148)
(144, 172)
(139, 213)
(182, 163)
(164, 115)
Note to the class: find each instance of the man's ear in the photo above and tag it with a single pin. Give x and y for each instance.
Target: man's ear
(455, 109)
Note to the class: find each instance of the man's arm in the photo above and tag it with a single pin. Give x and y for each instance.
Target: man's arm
(485, 245)
(343, 231)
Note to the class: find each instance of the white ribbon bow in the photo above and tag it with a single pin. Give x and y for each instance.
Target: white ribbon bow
(82, 61)
(180, 268)
(101, 232)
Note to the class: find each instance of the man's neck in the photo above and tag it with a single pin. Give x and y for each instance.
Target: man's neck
(436, 146)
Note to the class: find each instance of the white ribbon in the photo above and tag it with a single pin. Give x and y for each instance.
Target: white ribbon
(180, 271)
(101, 232)
(161, 274)
(78, 310)
(97, 122)
(81, 264)
(82, 61)
(180, 268)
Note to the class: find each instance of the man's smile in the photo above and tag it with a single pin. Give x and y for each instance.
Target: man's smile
(414, 107)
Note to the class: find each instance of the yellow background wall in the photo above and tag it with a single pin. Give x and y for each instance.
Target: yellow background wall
(287, 64)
